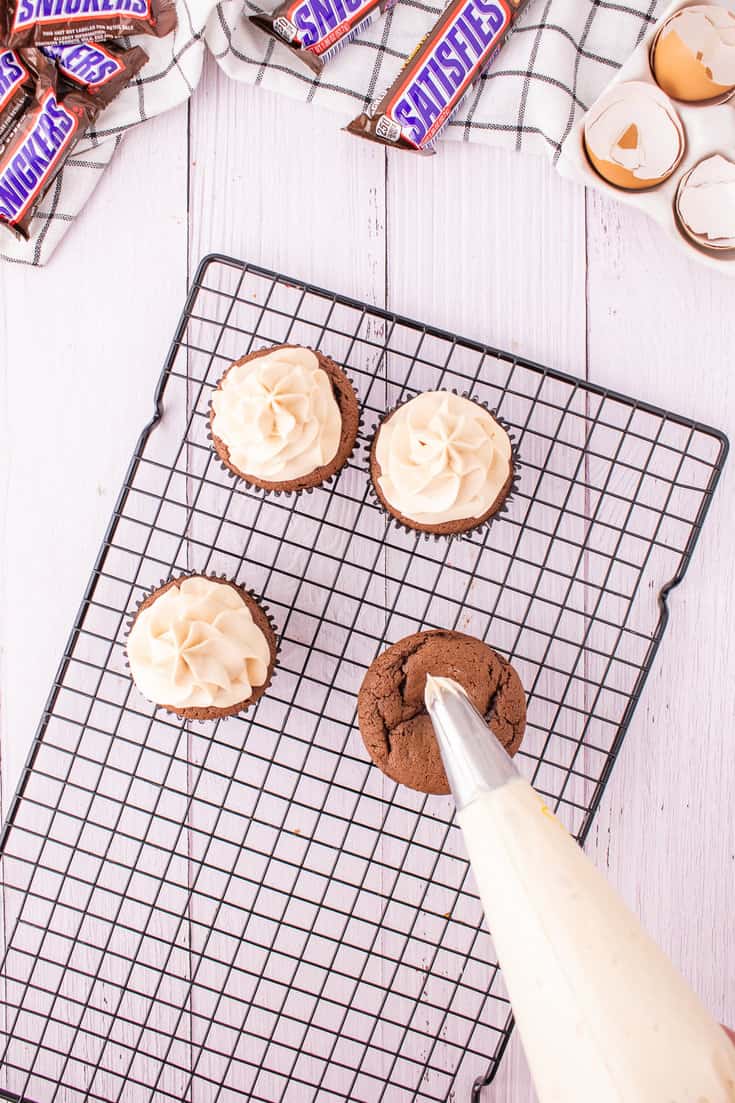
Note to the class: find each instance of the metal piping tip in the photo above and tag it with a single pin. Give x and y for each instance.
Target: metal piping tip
(436, 686)
(474, 760)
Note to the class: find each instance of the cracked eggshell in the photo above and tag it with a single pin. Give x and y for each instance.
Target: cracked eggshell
(693, 54)
(705, 204)
(633, 136)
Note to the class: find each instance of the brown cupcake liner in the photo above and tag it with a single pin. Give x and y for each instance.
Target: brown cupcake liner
(474, 529)
(260, 691)
(277, 492)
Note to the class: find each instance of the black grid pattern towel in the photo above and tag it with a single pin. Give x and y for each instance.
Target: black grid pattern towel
(560, 56)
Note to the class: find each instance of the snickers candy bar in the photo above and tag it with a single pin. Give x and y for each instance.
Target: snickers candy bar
(47, 22)
(17, 84)
(35, 146)
(436, 76)
(103, 69)
(315, 30)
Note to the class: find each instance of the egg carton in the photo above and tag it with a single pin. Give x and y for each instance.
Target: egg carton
(708, 127)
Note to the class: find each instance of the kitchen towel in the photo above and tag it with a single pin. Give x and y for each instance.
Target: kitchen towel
(555, 63)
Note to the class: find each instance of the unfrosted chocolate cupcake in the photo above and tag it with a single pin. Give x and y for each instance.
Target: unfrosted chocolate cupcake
(202, 648)
(441, 463)
(284, 418)
(394, 723)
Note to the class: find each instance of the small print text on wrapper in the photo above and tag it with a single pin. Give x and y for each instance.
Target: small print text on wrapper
(46, 22)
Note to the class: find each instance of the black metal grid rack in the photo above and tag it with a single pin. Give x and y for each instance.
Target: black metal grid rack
(250, 910)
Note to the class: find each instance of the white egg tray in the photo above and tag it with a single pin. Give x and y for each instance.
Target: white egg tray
(709, 128)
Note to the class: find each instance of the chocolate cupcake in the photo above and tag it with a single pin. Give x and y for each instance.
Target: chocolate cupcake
(394, 724)
(201, 647)
(284, 418)
(441, 463)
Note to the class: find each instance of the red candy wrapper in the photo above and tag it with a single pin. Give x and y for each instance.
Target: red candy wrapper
(102, 69)
(437, 75)
(53, 22)
(37, 142)
(315, 30)
(17, 84)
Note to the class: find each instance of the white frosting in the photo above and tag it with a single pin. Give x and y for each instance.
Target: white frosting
(442, 458)
(278, 416)
(658, 134)
(706, 201)
(708, 32)
(197, 646)
(603, 1014)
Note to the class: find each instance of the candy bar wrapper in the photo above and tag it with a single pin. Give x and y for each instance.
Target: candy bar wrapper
(102, 69)
(316, 30)
(438, 74)
(17, 85)
(54, 22)
(35, 145)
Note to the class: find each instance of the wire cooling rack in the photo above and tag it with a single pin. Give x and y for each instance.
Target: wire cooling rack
(249, 909)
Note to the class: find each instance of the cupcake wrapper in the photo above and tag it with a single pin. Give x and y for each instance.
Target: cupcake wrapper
(217, 578)
(482, 526)
(328, 482)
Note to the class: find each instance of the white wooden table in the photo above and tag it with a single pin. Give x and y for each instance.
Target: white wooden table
(490, 245)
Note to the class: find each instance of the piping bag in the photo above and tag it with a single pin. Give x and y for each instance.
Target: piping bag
(603, 1015)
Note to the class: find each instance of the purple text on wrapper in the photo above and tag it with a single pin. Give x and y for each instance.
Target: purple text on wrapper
(85, 62)
(29, 12)
(32, 163)
(12, 75)
(316, 19)
(423, 106)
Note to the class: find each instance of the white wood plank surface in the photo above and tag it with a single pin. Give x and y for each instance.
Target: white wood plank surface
(661, 327)
(490, 245)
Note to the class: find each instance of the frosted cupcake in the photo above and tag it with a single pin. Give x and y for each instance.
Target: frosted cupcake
(441, 463)
(284, 418)
(202, 648)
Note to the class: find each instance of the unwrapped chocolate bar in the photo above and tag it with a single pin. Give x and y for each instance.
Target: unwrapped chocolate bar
(315, 30)
(47, 22)
(436, 76)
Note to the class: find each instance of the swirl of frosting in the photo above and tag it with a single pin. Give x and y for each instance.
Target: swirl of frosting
(277, 415)
(442, 458)
(197, 646)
